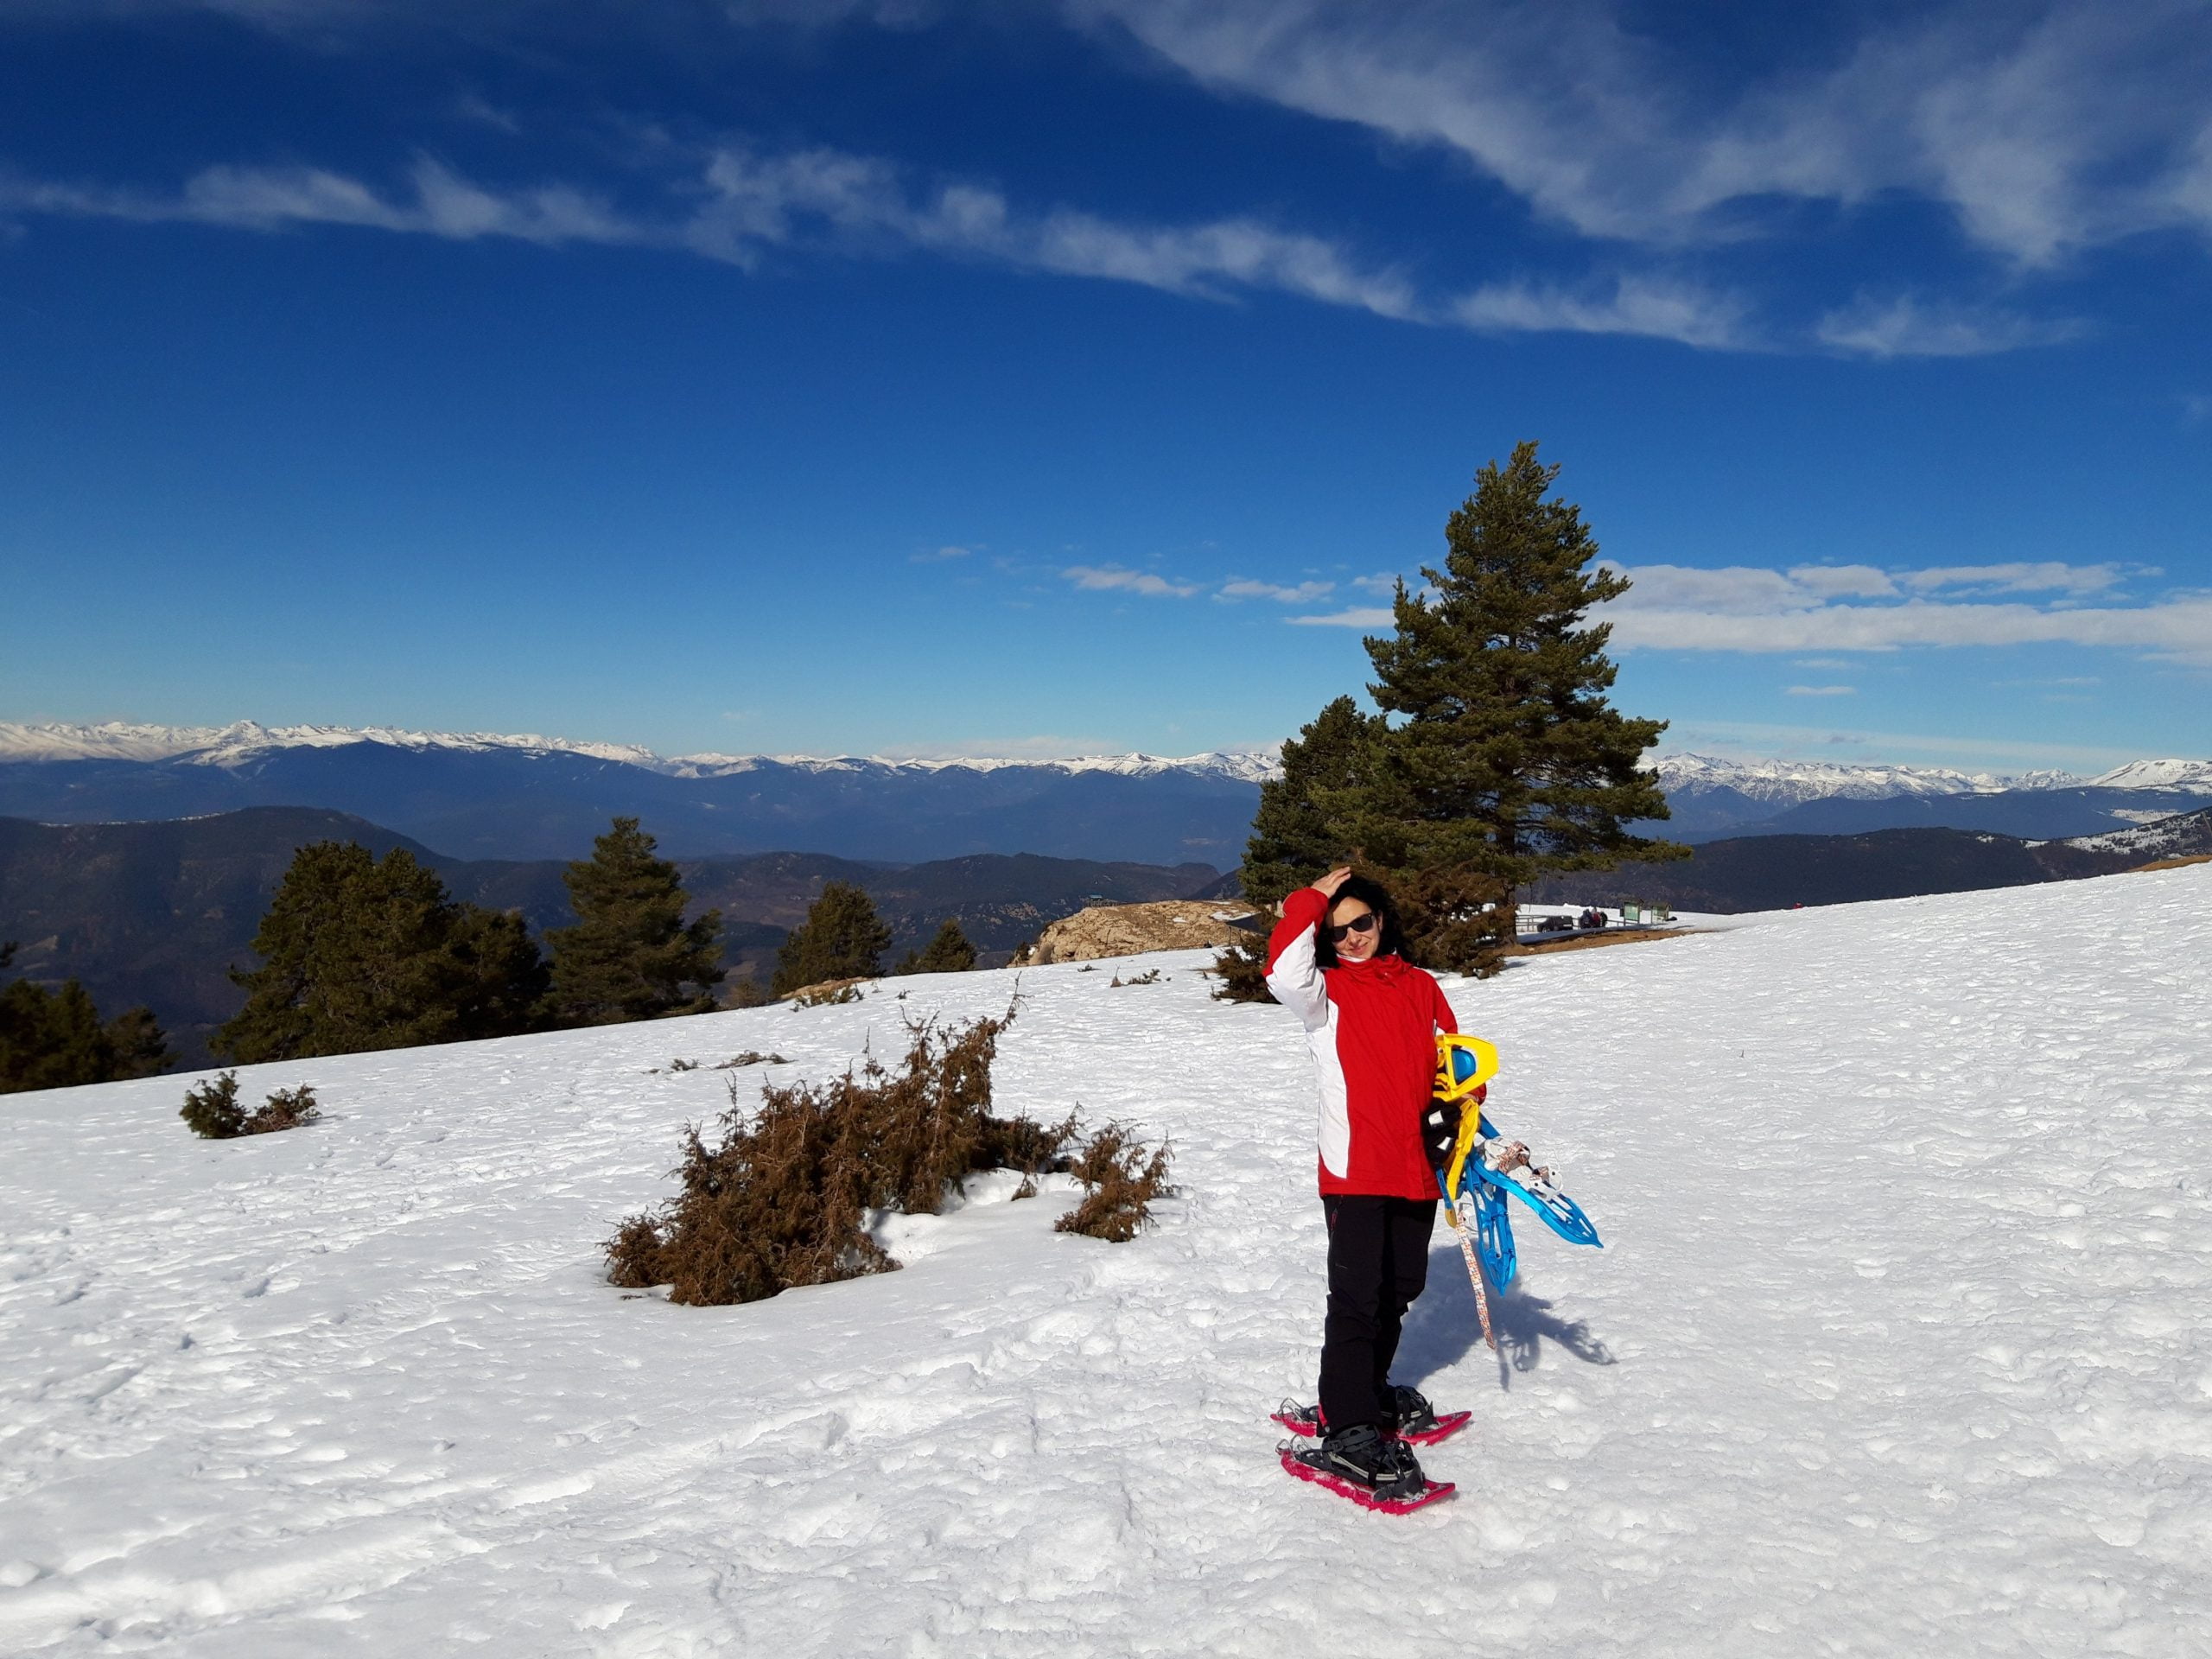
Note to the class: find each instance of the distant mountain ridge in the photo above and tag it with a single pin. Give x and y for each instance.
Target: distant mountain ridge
(1712, 796)
(246, 740)
(1752, 872)
(522, 796)
(489, 796)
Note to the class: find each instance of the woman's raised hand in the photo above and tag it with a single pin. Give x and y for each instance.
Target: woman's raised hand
(1327, 886)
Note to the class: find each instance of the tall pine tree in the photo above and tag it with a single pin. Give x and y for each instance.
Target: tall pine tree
(630, 954)
(360, 954)
(1503, 761)
(842, 938)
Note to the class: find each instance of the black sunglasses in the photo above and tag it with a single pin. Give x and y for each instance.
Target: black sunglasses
(1358, 925)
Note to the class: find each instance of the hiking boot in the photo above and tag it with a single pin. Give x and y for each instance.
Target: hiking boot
(1407, 1412)
(1368, 1457)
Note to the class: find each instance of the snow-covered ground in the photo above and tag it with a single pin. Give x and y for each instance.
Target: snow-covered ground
(1898, 1344)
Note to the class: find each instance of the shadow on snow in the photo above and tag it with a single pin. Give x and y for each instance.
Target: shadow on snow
(1442, 1328)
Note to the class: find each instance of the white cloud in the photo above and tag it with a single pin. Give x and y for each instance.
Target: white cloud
(442, 204)
(1369, 621)
(1904, 327)
(1304, 593)
(1634, 305)
(1843, 581)
(1113, 578)
(2041, 129)
(1823, 690)
(2047, 577)
(745, 205)
(2179, 629)
(1731, 590)
(938, 555)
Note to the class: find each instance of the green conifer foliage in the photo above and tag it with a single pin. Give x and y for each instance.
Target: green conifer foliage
(141, 1049)
(359, 954)
(56, 1039)
(1505, 760)
(631, 956)
(1293, 839)
(949, 952)
(842, 938)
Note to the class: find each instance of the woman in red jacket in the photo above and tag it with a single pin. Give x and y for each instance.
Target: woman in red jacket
(1371, 1019)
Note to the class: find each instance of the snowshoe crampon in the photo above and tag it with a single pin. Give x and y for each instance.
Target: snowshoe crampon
(1558, 1212)
(1311, 1463)
(1309, 1419)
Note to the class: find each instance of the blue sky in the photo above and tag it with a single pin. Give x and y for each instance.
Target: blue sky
(1022, 377)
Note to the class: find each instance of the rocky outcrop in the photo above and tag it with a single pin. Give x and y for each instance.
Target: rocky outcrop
(1131, 930)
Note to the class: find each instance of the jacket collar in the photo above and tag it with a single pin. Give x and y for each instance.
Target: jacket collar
(1377, 968)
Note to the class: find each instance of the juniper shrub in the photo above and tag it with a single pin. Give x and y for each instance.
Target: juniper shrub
(211, 1111)
(1242, 969)
(1122, 1177)
(782, 1197)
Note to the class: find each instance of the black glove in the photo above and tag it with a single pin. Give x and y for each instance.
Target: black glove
(1439, 1131)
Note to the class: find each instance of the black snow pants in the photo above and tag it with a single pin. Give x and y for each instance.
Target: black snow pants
(1378, 1261)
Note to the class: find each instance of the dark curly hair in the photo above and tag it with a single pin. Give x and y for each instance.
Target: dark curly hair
(1376, 898)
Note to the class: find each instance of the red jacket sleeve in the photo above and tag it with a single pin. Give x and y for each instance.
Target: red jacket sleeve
(1445, 1019)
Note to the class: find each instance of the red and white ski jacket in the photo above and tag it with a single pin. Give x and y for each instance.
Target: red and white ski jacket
(1372, 1028)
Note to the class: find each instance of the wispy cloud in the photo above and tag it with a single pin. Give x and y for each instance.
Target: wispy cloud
(1629, 305)
(1750, 609)
(1368, 619)
(1304, 593)
(1113, 578)
(2048, 576)
(745, 205)
(2041, 128)
(1823, 690)
(1906, 327)
(940, 554)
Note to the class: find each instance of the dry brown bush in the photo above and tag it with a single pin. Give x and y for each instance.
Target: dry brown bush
(1123, 1177)
(781, 1199)
(285, 1110)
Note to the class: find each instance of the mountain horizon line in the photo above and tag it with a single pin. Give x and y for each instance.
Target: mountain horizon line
(239, 741)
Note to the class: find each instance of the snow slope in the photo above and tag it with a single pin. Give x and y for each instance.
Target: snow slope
(1897, 1346)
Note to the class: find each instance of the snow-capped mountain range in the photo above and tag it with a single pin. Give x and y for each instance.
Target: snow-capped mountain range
(507, 796)
(247, 740)
(1783, 783)
(1787, 782)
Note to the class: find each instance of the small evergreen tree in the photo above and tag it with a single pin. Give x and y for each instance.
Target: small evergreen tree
(1506, 761)
(1294, 840)
(56, 1039)
(842, 938)
(631, 956)
(360, 954)
(211, 1111)
(949, 952)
